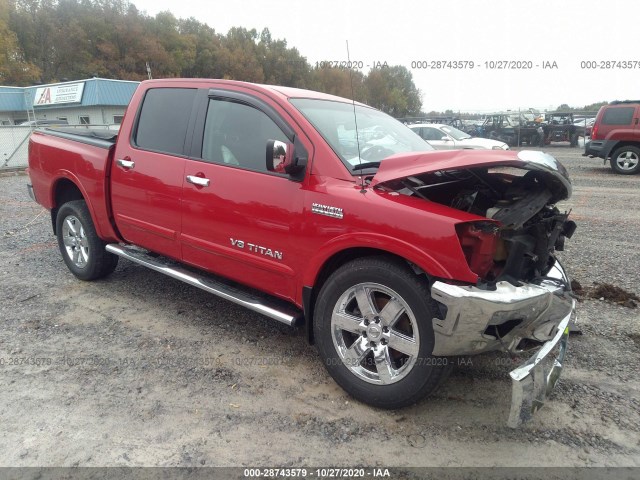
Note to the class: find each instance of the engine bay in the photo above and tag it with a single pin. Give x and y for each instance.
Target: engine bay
(527, 227)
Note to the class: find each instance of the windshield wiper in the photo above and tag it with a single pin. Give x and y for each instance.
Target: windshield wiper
(362, 166)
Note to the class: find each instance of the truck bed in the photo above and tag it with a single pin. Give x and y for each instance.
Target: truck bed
(99, 138)
(59, 155)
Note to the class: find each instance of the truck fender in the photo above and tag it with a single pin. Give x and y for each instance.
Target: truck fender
(375, 241)
(381, 244)
(67, 175)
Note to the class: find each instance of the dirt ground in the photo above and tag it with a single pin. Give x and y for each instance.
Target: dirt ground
(142, 370)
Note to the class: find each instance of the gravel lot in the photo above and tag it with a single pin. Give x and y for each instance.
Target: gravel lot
(139, 369)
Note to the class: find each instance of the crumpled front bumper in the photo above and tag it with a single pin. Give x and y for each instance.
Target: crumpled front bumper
(533, 380)
(478, 321)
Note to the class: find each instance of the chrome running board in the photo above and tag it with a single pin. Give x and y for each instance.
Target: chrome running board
(276, 309)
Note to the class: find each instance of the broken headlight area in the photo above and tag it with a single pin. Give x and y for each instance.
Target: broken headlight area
(521, 228)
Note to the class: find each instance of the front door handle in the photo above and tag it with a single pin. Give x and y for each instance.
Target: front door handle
(199, 181)
(128, 164)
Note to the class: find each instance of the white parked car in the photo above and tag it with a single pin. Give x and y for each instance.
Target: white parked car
(445, 137)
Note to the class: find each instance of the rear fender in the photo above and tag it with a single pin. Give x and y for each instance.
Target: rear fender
(103, 231)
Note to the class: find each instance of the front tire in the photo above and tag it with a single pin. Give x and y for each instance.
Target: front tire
(373, 329)
(626, 160)
(81, 248)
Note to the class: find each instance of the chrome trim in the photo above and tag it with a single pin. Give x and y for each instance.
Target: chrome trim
(628, 162)
(75, 240)
(125, 163)
(199, 181)
(377, 337)
(287, 315)
(545, 310)
(471, 310)
(532, 381)
(334, 212)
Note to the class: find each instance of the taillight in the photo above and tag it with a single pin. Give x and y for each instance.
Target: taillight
(594, 131)
(479, 242)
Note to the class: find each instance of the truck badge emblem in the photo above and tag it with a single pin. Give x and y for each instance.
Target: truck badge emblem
(334, 212)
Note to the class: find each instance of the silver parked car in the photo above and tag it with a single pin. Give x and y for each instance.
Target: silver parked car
(445, 137)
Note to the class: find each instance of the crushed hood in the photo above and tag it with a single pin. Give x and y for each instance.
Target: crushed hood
(406, 165)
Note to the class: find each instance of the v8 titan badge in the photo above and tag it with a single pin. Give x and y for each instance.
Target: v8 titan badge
(259, 249)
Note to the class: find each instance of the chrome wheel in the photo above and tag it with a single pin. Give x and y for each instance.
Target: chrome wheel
(627, 160)
(375, 333)
(75, 241)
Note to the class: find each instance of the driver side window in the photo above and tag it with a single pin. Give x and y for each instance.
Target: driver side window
(237, 134)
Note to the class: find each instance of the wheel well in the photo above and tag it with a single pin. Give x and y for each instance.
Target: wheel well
(310, 294)
(65, 191)
(623, 144)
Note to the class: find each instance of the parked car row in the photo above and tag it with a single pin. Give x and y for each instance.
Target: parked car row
(613, 135)
(446, 137)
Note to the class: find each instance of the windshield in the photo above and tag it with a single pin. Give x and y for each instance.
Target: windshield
(379, 135)
(455, 133)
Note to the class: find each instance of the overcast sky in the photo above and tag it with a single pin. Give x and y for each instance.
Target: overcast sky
(400, 32)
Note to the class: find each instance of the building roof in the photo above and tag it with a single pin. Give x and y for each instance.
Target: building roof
(96, 92)
(12, 99)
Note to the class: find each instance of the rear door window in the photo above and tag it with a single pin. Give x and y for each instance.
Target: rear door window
(618, 116)
(164, 119)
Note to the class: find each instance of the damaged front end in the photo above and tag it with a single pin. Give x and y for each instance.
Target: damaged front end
(510, 318)
(522, 299)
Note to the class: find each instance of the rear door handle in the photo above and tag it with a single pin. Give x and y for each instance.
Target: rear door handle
(128, 164)
(199, 181)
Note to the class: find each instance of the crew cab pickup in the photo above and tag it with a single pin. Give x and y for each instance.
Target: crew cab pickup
(396, 258)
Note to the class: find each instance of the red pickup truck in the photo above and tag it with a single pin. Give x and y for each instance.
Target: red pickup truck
(311, 208)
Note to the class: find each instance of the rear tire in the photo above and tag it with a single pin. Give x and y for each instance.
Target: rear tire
(81, 248)
(626, 160)
(373, 329)
(574, 140)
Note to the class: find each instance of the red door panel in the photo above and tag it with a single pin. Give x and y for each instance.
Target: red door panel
(242, 226)
(146, 200)
(148, 170)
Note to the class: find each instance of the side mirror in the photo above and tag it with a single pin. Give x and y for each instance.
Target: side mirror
(290, 158)
(445, 139)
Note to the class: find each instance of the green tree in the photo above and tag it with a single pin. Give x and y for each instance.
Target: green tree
(52, 40)
(339, 81)
(238, 56)
(180, 47)
(594, 107)
(564, 108)
(14, 69)
(32, 22)
(207, 49)
(282, 65)
(392, 90)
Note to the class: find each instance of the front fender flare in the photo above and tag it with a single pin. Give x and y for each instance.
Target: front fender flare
(375, 241)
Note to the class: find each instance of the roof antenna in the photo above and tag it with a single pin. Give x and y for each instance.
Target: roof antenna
(355, 118)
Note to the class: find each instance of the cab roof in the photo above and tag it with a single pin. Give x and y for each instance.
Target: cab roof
(281, 91)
